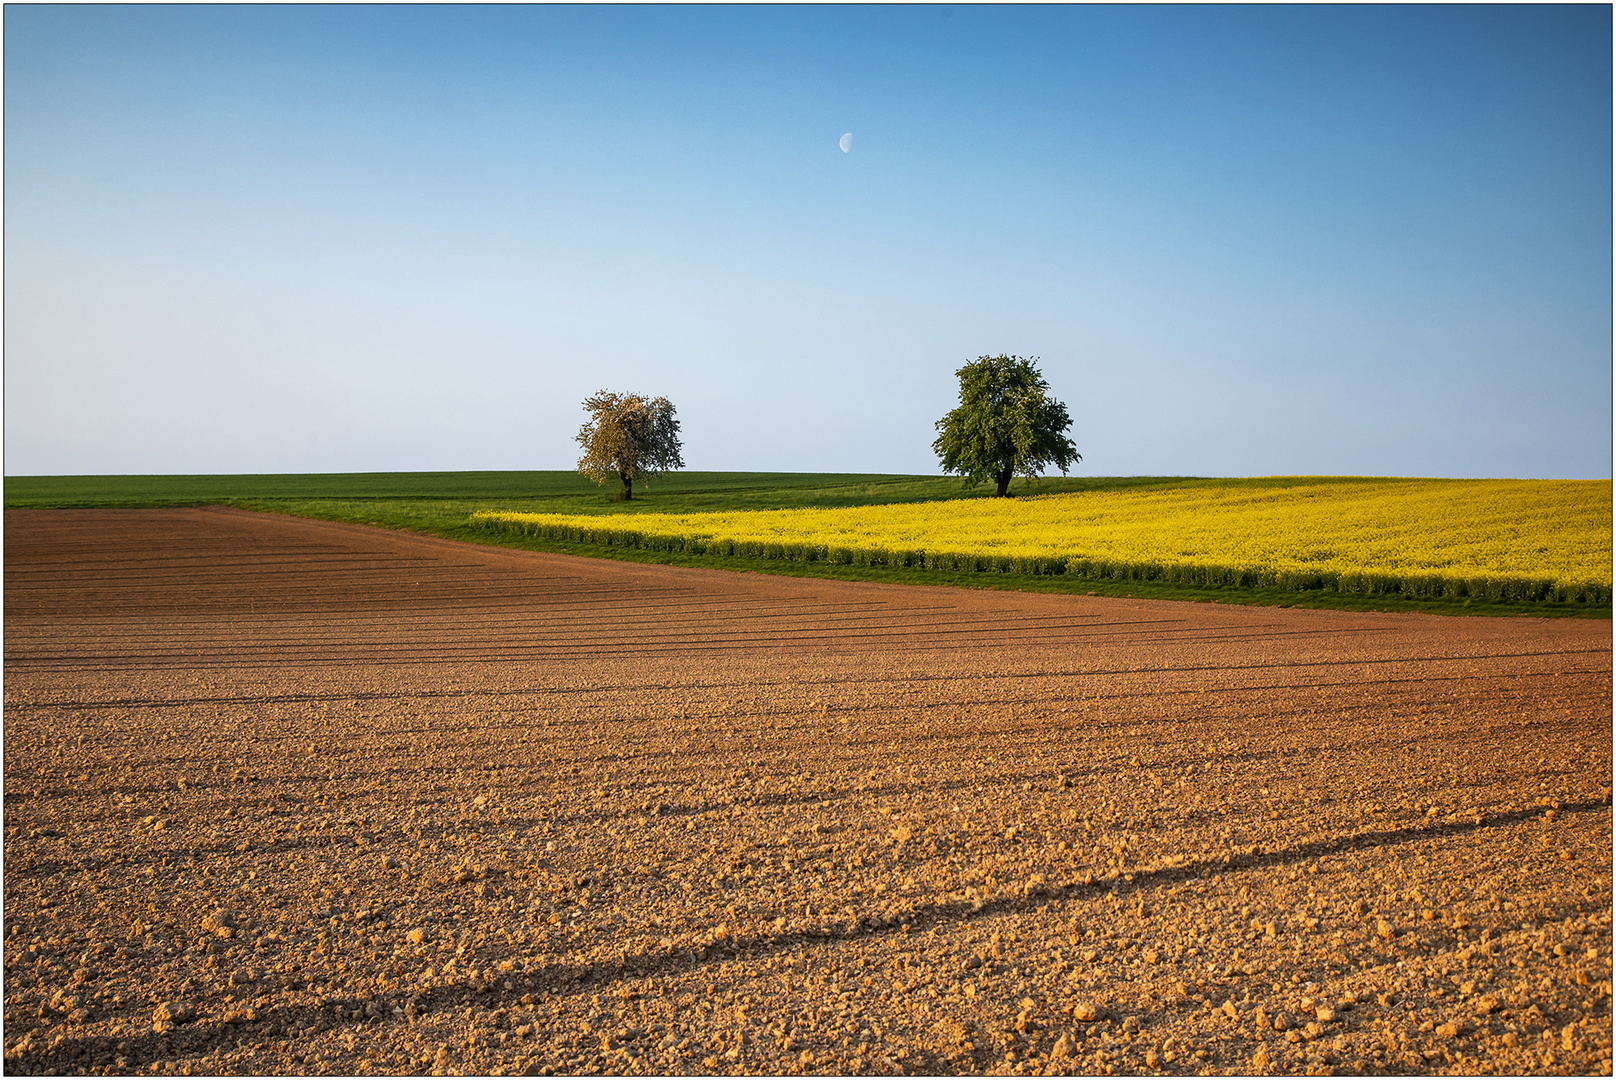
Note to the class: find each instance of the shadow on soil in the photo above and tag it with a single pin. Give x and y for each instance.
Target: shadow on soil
(335, 1014)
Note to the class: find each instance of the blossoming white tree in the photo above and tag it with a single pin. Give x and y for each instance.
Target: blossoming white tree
(628, 436)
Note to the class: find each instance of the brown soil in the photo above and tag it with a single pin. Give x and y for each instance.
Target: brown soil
(286, 796)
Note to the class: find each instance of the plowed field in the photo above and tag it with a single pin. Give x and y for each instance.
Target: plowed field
(292, 797)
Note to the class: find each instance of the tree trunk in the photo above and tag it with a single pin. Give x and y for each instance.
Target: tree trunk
(628, 485)
(1003, 477)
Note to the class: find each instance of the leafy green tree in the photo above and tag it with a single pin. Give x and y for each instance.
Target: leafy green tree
(628, 436)
(1006, 424)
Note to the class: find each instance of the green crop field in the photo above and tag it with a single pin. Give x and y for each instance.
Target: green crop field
(560, 492)
(442, 504)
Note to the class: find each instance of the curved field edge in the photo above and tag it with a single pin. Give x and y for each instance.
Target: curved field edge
(460, 529)
(1522, 541)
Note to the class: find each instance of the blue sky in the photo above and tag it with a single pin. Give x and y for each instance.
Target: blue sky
(1244, 241)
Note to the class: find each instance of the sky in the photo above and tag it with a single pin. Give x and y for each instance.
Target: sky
(1250, 240)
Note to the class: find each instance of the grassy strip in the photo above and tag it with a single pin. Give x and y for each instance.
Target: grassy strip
(432, 520)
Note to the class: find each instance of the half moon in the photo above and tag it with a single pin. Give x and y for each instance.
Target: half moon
(846, 142)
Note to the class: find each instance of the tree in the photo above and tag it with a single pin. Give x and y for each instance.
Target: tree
(1006, 424)
(628, 436)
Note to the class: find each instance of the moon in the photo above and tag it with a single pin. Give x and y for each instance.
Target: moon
(846, 142)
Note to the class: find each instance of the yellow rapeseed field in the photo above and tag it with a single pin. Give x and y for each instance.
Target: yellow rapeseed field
(1498, 539)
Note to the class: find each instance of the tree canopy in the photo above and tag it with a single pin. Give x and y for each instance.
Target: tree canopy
(628, 436)
(1006, 424)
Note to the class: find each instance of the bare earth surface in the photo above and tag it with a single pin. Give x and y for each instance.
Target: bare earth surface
(292, 797)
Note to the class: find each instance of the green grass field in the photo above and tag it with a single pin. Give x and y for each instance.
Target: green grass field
(440, 504)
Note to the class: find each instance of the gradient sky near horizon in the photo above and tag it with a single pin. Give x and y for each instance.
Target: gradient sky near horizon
(1247, 240)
